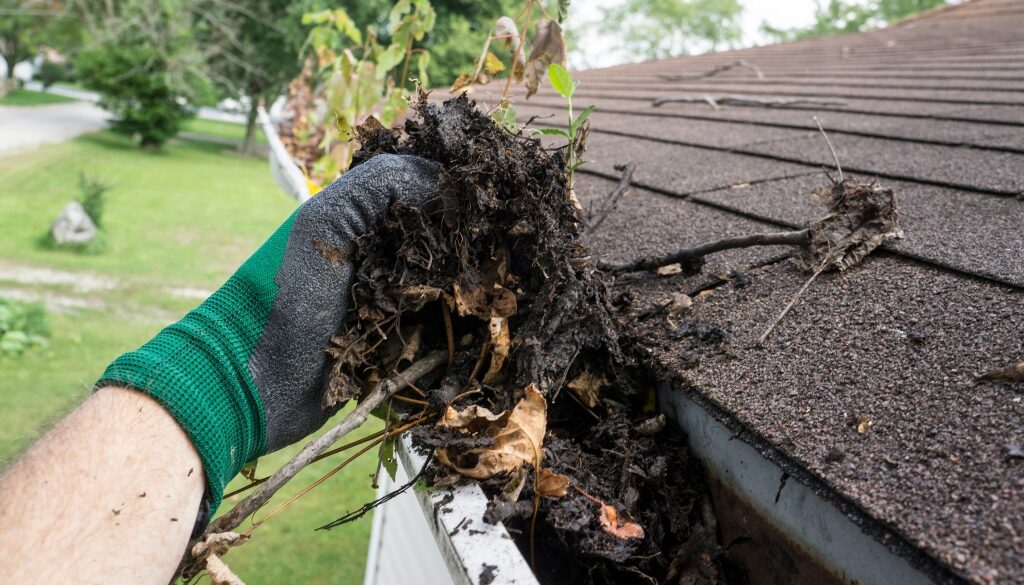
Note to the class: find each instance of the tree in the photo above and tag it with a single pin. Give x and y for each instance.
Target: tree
(28, 25)
(845, 16)
(143, 60)
(656, 29)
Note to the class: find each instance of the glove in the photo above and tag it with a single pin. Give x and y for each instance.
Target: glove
(245, 372)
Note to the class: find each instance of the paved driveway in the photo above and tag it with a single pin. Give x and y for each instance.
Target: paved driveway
(22, 128)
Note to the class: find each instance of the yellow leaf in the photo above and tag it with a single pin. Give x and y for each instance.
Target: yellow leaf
(492, 64)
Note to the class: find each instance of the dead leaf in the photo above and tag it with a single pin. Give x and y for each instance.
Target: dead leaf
(472, 419)
(412, 345)
(1014, 373)
(517, 440)
(616, 526)
(503, 302)
(510, 491)
(548, 48)
(861, 217)
(864, 424)
(471, 301)
(461, 82)
(670, 269)
(492, 64)
(681, 303)
(413, 298)
(500, 343)
(219, 573)
(506, 29)
(652, 426)
(587, 387)
(551, 484)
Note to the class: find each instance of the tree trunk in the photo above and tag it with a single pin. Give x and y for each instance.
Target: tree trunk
(250, 126)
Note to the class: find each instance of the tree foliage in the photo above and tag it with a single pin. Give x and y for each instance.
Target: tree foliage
(656, 29)
(846, 16)
(26, 26)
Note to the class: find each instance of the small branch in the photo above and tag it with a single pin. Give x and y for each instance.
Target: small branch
(612, 200)
(314, 448)
(692, 255)
(741, 64)
(738, 100)
(835, 157)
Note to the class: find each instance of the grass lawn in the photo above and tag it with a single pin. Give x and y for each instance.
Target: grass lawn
(25, 97)
(183, 217)
(220, 129)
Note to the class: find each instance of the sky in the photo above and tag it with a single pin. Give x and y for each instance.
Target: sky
(778, 13)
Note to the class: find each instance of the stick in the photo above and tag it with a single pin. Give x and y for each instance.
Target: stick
(739, 100)
(741, 64)
(792, 301)
(835, 157)
(690, 254)
(356, 418)
(612, 200)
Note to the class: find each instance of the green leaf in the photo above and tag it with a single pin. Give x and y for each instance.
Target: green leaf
(422, 61)
(397, 14)
(346, 26)
(561, 81)
(505, 117)
(389, 59)
(553, 132)
(319, 17)
(249, 470)
(387, 458)
(581, 119)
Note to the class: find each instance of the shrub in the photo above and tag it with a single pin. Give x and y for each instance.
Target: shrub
(132, 80)
(22, 326)
(92, 200)
(50, 73)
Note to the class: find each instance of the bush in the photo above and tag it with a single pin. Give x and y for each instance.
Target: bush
(50, 73)
(92, 200)
(132, 80)
(22, 327)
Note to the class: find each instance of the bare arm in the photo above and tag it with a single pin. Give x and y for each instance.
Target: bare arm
(109, 495)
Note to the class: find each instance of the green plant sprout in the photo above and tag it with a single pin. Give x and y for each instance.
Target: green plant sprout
(563, 83)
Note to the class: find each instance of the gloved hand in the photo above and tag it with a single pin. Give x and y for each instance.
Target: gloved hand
(245, 372)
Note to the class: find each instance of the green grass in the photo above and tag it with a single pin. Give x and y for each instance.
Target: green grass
(186, 216)
(219, 129)
(25, 97)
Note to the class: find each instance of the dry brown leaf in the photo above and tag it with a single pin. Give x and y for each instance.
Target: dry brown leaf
(461, 82)
(1014, 373)
(500, 343)
(548, 48)
(219, 572)
(412, 345)
(616, 526)
(864, 424)
(551, 484)
(517, 440)
(681, 303)
(471, 419)
(587, 387)
(670, 269)
(503, 302)
(506, 28)
(414, 297)
(471, 301)
(861, 217)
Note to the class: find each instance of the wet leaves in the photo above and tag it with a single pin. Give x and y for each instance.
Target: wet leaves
(618, 527)
(517, 438)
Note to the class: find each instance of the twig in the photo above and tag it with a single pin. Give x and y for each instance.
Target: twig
(366, 508)
(738, 100)
(741, 64)
(612, 200)
(835, 157)
(693, 254)
(446, 313)
(792, 301)
(314, 448)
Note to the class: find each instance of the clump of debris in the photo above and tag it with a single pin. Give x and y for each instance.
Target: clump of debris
(537, 402)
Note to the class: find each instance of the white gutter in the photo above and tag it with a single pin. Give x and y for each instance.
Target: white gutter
(285, 171)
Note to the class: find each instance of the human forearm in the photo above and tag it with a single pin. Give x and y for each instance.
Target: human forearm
(108, 495)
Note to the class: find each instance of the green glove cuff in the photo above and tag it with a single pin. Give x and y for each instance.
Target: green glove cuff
(198, 368)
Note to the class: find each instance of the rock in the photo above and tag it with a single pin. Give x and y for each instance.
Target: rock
(73, 226)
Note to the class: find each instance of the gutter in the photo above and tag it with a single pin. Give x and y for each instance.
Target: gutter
(286, 173)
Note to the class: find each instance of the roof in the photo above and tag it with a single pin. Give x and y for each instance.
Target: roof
(932, 107)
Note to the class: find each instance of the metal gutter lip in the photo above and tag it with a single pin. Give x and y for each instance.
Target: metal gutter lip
(467, 543)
